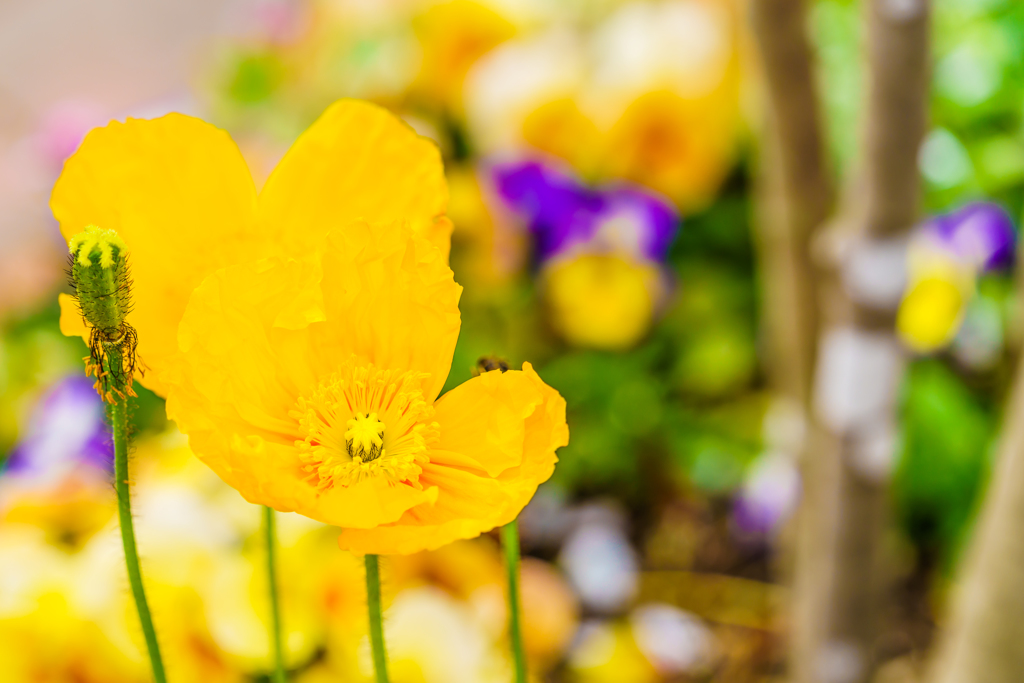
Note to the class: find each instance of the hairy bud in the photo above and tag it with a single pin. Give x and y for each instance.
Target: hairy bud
(100, 276)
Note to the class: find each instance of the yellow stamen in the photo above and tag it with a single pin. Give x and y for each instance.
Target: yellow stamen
(364, 422)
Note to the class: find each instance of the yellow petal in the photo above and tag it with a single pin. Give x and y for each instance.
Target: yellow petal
(510, 423)
(561, 129)
(235, 355)
(931, 313)
(485, 419)
(357, 161)
(456, 514)
(439, 233)
(370, 503)
(391, 299)
(453, 36)
(678, 146)
(72, 324)
(179, 194)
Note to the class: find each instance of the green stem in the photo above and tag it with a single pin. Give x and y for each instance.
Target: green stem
(380, 658)
(119, 423)
(510, 542)
(270, 537)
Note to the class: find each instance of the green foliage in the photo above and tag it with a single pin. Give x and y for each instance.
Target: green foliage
(976, 145)
(256, 77)
(711, 448)
(946, 440)
(616, 406)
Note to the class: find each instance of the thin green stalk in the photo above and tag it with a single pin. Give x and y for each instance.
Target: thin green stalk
(380, 658)
(510, 543)
(119, 423)
(270, 538)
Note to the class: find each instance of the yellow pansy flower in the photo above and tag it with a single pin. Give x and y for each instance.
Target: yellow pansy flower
(562, 129)
(452, 36)
(311, 385)
(490, 248)
(930, 314)
(603, 301)
(680, 147)
(179, 193)
(53, 643)
(935, 299)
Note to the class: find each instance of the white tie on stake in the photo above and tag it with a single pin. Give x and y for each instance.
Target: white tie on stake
(856, 391)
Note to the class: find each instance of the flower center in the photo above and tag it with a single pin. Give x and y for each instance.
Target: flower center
(362, 422)
(365, 437)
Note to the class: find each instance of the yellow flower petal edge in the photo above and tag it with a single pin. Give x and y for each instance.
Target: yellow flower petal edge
(180, 195)
(72, 324)
(284, 362)
(499, 435)
(357, 161)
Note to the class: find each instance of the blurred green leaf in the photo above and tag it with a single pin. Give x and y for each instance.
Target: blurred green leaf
(946, 439)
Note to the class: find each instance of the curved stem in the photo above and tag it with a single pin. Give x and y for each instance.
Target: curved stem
(510, 542)
(119, 423)
(270, 538)
(380, 659)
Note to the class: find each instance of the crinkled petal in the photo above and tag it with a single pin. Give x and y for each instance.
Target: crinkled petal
(509, 424)
(371, 502)
(179, 193)
(235, 356)
(496, 443)
(459, 512)
(357, 161)
(391, 299)
(254, 339)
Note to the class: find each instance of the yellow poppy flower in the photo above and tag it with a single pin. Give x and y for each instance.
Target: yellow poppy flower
(310, 385)
(179, 193)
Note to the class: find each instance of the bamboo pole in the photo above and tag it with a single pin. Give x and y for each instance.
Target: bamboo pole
(796, 196)
(984, 641)
(848, 301)
(861, 361)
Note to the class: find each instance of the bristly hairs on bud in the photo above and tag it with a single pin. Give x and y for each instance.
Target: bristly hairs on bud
(101, 280)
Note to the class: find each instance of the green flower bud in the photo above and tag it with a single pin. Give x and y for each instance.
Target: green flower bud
(99, 272)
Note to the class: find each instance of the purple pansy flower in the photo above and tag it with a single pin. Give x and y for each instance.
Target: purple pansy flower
(67, 430)
(564, 214)
(638, 218)
(980, 233)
